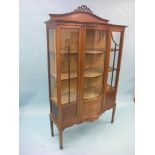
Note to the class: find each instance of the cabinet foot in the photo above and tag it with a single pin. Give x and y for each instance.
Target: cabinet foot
(113, 113)
(60, 139)
(51, 124)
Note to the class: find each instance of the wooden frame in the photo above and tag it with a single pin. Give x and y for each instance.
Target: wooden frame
(66, 115)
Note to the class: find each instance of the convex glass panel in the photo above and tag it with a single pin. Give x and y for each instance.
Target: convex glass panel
(94, 60)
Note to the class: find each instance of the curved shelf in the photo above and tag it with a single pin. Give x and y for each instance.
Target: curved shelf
(91, 93)
(65, 97)
(87, 74)
(73, 75)
(91, 74)
(65, 52)
(65, 76)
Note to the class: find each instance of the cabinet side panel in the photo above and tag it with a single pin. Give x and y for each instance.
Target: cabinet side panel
(109, 101)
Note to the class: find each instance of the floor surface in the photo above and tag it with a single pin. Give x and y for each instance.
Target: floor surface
(96, 138)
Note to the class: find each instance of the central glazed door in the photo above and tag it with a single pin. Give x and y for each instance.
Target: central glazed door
(93, 70)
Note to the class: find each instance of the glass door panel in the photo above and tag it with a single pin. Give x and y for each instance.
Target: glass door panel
(115, 45)
(52, 54)
(94, 59)
(69, 64)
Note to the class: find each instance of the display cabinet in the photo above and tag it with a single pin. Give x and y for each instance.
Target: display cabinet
(84, 58)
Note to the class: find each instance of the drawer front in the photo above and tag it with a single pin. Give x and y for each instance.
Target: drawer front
(91, 108)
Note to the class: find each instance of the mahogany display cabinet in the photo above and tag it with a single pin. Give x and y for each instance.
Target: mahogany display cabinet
(84, 58)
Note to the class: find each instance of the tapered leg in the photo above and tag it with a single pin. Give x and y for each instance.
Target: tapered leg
(113, 113)
(60, 139)
(51, 124)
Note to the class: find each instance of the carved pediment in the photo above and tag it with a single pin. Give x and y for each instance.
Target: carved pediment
(81, 14)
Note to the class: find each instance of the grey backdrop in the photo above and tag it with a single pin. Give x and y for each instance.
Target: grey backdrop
(33, 50)
(99, 137)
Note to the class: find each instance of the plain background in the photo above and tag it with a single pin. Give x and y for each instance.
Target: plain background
(145, 83)
(34, 105)
(33, 53)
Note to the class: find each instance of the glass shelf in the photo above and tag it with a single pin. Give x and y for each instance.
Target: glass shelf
(87, 73)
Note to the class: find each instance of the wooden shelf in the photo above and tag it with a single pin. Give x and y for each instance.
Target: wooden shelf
(95, 73)
(65, 76)
(65, 50)
(65, 97)
(90, 73)
(98, 51)
(71, 52)
(91, 92)
(94, 51)
(87, 51)
(87, 74)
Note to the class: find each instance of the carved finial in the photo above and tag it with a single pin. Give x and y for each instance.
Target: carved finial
(83, 8)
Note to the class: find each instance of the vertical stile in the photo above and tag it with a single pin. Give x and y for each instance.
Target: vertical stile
(69, 73)
(58, 58)
(113, 67)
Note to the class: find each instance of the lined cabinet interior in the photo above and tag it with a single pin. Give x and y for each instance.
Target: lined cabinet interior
(94, 60)
(94, 53)
(94, 63)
